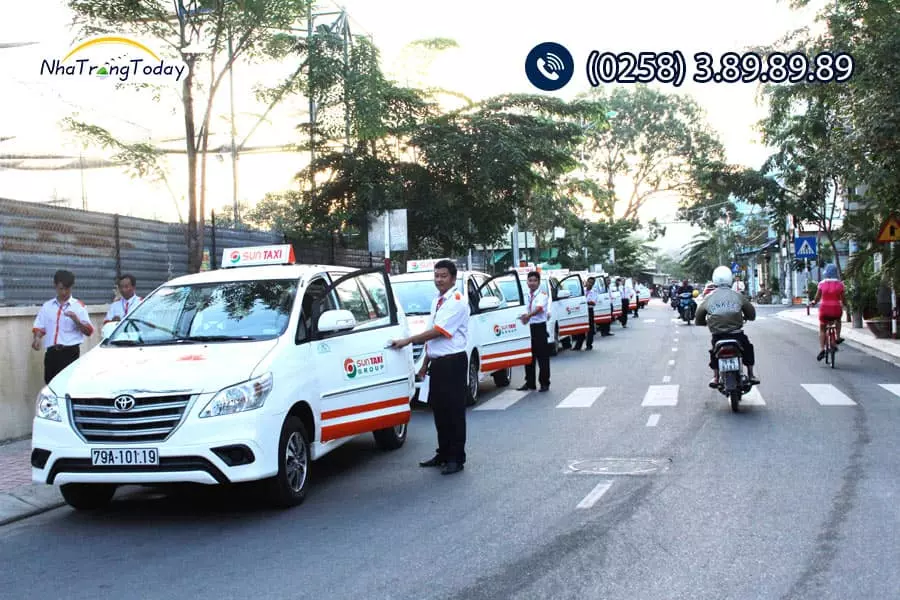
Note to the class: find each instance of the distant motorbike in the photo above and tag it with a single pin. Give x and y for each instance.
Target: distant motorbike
(686, 307)
(733, 383)
(665, 296)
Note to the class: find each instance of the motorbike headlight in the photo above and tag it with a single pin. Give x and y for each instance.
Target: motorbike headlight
(242, 397)
(48, 405)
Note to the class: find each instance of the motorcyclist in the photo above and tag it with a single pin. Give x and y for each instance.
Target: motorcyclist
(686, 288)
(724, 312)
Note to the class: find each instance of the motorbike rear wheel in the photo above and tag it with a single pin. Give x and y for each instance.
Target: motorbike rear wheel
(735, 400)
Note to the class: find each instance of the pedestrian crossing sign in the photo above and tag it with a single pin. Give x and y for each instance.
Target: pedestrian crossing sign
(805, 247)
(890, 230)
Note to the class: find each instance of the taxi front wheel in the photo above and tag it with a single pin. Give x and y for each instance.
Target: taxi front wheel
(390, 438)
(87, 496)
(288, 488)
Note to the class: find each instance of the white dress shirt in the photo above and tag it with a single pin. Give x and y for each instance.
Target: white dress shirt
(449, 315)
(58, 329)
(120, 308)
(535, 299)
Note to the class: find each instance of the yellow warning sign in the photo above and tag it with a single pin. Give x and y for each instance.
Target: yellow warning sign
(890, 230)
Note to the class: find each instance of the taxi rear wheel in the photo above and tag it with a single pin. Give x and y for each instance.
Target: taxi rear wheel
(87, 496)
(554, 345)
(288, 487)
(472, 382)
(390, 438)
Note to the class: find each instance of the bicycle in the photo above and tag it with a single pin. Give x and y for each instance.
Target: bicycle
(830, 341)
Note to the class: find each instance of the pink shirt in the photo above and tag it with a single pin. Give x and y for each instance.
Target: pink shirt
(831, 290)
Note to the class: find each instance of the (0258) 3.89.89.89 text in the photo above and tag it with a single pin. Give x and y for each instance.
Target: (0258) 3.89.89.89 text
(731, 67)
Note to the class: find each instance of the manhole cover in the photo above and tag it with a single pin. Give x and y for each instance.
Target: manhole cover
(618, 466)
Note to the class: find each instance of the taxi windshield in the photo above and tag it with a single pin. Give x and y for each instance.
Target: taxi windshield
(210, 312)
(415, 296)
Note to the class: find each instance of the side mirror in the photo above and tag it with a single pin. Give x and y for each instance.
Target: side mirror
(563, 294)
(488, 302)
(107, 329)
(336, 320)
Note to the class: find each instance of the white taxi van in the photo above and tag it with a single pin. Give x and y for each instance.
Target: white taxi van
(567, 315)
(497, 340)
(245, 373)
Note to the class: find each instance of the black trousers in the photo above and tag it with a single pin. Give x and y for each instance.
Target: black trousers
(749, 358)
(58, 358)
(624, 319)
(540, 351)
(447, 397)
(579, 339)
(604, 328)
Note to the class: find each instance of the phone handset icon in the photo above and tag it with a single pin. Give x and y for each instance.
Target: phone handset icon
(542, 67)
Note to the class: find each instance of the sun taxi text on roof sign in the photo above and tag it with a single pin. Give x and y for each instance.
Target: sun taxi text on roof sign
(258, 255)
(417, 266)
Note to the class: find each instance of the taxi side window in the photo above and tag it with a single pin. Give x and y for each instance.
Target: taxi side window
(360, 295)
(375, 294)
(350, 298)
(571, 284)
(311, 309)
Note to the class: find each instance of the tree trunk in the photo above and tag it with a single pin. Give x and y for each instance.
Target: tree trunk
(195, 254)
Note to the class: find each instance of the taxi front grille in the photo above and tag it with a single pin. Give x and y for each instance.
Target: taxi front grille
(152, 419)
(417, 351)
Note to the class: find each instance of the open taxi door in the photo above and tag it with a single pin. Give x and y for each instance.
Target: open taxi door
(571, 306)
(603, 310)
(505, 340)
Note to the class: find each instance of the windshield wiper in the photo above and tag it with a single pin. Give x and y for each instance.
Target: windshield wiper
(125, 343)
(417, 312)
(219, 338)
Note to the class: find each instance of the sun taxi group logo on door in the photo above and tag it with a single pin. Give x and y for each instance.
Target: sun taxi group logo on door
(364, 366)
(505, 329)
(128, 61)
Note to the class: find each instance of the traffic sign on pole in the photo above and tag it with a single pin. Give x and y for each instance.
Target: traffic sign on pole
(890, 230)
(735, 268)
(805, 247)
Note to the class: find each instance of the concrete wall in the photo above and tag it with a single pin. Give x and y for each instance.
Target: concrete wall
(22, 369)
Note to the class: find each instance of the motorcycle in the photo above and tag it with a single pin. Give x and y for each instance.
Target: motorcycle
(665, 296)
(733, 383)
(686, 307)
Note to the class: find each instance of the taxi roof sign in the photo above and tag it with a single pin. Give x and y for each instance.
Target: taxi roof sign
(254, 256)
(890, 230)
(418, 266)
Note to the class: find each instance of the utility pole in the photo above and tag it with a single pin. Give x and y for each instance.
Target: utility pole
(515, 240)
(234, 156)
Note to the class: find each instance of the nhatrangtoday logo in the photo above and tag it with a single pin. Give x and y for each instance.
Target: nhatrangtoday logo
(549, 66)
(132, 62)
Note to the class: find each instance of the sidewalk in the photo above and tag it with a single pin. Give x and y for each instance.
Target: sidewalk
(861, 339)
(19, 498)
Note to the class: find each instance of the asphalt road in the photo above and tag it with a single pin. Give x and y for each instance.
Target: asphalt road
(609, 497)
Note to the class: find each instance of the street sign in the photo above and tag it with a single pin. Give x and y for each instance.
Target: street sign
(805, 247)
(890, 231)
(735, 268)
(397, 232)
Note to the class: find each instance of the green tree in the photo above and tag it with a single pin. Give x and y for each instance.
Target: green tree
(227, 31)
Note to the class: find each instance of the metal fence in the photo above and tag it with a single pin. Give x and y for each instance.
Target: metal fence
(36, 240)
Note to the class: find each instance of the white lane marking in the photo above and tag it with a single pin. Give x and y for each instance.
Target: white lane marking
(893, 388)
(674, 349)
(667, 378)
(502, 401)
(675, 340)
(583, 397)
(595, 494)
(671, 363)
(676, 319)
(827, 395)
(753, 398)
(649, 320)
(653, 421)
(661, 395)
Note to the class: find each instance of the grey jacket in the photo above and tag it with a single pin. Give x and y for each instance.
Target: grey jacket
(724, 311)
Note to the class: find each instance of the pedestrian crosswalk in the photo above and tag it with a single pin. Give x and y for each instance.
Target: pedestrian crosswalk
(668, 395)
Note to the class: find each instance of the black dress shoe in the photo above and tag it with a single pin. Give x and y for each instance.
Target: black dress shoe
(545, 388)
(451, 467)
(433, 462)
(524, 388)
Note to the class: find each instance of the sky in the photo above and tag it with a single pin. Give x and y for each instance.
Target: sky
(494, 36)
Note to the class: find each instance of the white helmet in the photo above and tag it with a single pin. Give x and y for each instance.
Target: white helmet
(722, 277)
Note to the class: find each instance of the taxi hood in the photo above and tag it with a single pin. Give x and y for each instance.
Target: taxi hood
(196, 368)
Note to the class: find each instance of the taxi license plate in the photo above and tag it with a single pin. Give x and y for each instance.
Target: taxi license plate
(729, 364)
(124, 456)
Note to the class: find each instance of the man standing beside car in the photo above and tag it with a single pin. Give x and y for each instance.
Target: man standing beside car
(447, 364)
(536, 319)
(61, 326)
(592, 298)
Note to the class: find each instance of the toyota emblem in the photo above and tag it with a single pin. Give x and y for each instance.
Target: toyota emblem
(124, 403)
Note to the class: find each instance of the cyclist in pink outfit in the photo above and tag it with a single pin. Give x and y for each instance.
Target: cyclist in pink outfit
(832, 295)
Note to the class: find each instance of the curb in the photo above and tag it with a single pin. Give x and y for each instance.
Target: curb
(888, 358)
(28, 509)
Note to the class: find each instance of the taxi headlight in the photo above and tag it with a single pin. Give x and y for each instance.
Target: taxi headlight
(48, 405)
(242, 397)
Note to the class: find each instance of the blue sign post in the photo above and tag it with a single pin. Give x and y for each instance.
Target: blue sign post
(735, 268)
(805, 247)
